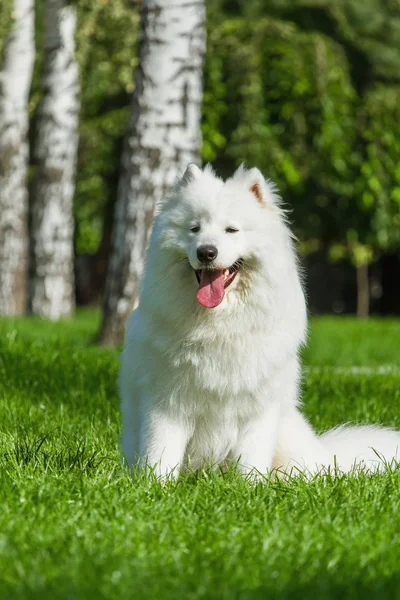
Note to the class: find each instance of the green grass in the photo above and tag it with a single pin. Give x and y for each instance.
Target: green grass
(346, 341)
(73, 524)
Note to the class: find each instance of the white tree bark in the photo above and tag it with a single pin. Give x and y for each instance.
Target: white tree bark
(15, 83)
(163, 137)
(52, 279)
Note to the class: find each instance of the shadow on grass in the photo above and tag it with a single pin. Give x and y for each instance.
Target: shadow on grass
(57, 372)
(99, 585)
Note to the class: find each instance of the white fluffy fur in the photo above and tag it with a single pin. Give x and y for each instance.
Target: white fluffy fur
(202, 386)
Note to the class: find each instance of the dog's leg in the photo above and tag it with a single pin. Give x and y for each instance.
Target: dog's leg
(130, 409)
(256, 444)
(130, 431)
(163, 443)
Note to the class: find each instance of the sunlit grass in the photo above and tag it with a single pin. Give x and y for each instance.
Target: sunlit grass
(74, 525)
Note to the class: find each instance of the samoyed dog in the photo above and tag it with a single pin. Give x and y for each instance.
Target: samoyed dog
(210, 369)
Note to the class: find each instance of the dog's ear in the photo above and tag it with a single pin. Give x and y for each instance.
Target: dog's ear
(256, 184)
(191, 173)
(264, 191)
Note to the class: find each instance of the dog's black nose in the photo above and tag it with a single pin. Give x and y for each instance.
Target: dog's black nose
(207, 253)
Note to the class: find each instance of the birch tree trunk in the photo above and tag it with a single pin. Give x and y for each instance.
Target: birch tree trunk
(15, 83)
(163, 137)
(52, 278)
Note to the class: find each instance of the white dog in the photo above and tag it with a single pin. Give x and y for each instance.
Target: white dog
(210, 370)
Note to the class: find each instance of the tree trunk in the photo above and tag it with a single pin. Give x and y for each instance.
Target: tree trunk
(362, 291)
(15, 82)
(52, 278)
(163, 137)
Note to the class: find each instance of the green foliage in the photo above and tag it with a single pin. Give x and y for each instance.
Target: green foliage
(368, 30)
(378, 184)
(288, 108)
(106, 51)
(6, 7)
(309, 94)
(73, 525)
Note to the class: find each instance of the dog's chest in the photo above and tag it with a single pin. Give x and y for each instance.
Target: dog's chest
(223, 366)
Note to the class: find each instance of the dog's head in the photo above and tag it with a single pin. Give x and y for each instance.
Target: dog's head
(220, 231)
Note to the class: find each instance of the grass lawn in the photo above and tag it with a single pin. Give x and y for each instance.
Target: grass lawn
(73, 525)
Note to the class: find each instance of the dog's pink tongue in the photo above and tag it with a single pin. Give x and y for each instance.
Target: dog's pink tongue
(211, 290)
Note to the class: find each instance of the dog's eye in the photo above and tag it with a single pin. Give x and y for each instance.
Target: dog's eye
(195, 229)
(231, 230)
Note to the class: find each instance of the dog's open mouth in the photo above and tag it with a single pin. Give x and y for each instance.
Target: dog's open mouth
(213, 282)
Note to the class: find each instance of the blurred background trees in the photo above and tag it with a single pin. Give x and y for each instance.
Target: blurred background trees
(307, 90)
(16, 65)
